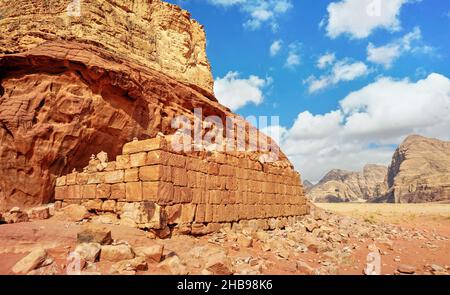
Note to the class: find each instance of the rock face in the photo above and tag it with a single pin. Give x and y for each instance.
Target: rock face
(85, 89)
(347, 186)
(72, 86)
(155, 34)
(420, 171)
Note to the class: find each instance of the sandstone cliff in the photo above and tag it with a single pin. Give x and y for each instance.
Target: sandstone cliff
(420, 171)
(73, 86)
(347, 186)
(153, 33)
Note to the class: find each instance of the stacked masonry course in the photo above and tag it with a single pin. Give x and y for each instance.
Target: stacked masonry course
(195, 190)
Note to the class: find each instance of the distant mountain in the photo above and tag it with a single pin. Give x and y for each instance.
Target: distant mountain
(348, 186)
(307, 185)
(420, 171)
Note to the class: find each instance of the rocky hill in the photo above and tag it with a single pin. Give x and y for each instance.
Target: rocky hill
(420, 171)
(348, 186)
(72, 85)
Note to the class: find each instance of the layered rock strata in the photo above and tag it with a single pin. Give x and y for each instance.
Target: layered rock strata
(420, 171)
(348, 186)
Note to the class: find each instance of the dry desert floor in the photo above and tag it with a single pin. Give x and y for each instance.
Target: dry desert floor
(334, 239)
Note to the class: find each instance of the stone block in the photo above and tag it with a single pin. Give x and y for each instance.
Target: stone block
(96, 178)
(71, 179)
(118, 191)
(114, 176)
(147, 145)
(123, 162)
(133, 191)
(89, 191)
(179, 176)
(155, 173)
(103, 191)
(131, 175)
(60, 192)
(182, 194)
(158, 191)
(61, 181)
(138, 160)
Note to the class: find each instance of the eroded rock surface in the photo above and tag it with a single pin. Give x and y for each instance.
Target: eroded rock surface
(420, 171)
(348, 186)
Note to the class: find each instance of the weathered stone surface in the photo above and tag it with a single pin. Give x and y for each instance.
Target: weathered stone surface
(160, 36)
(420, 171)
(218, 264)
(42, 212)
(131, 265)
(95, 234)
(347, 186)
(88, 251)
(173, 265)
(151, 253)
(74, 212)
(116, 253)
(30, 262)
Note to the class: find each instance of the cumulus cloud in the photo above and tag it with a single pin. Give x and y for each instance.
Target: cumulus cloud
(342, 71)
(326, 60)
(275, 47)
(359, 18)
(259, 12)
(387, 54)
(235, 92)
(368, 125)
(293, 58)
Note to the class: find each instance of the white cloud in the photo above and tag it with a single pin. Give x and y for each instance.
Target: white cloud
(368, 125)
(293, 58)
(359, 18)
(235, 92)
(387, 54)
(342, 71)
(275, 47)
(326, 60)
(259, 12)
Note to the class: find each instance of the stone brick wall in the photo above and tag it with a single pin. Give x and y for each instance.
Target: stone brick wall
(195, 190)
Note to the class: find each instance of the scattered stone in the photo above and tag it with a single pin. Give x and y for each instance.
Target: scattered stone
(74, 212)
(406, 269)
(40, 213)
(116, 253)
(89, 251)
(218, 264)
(244, 241)
(95, 234)
(15, 215)
(151, 253)
(32, 261)
(173, 265)
(131, 265)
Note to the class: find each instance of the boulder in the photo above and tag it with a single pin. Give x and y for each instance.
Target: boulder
(406, 269)
(150, 253)
(74, 212)
(173, 265)
(115, 253)
(89, 252)
(40, 213)
(131, 265)
(95, 234)
(33, 260)
(218, 264)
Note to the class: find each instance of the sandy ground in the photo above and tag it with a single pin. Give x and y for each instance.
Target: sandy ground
(432, 246)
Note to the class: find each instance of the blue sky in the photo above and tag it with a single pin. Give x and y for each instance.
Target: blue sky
(384, 74)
